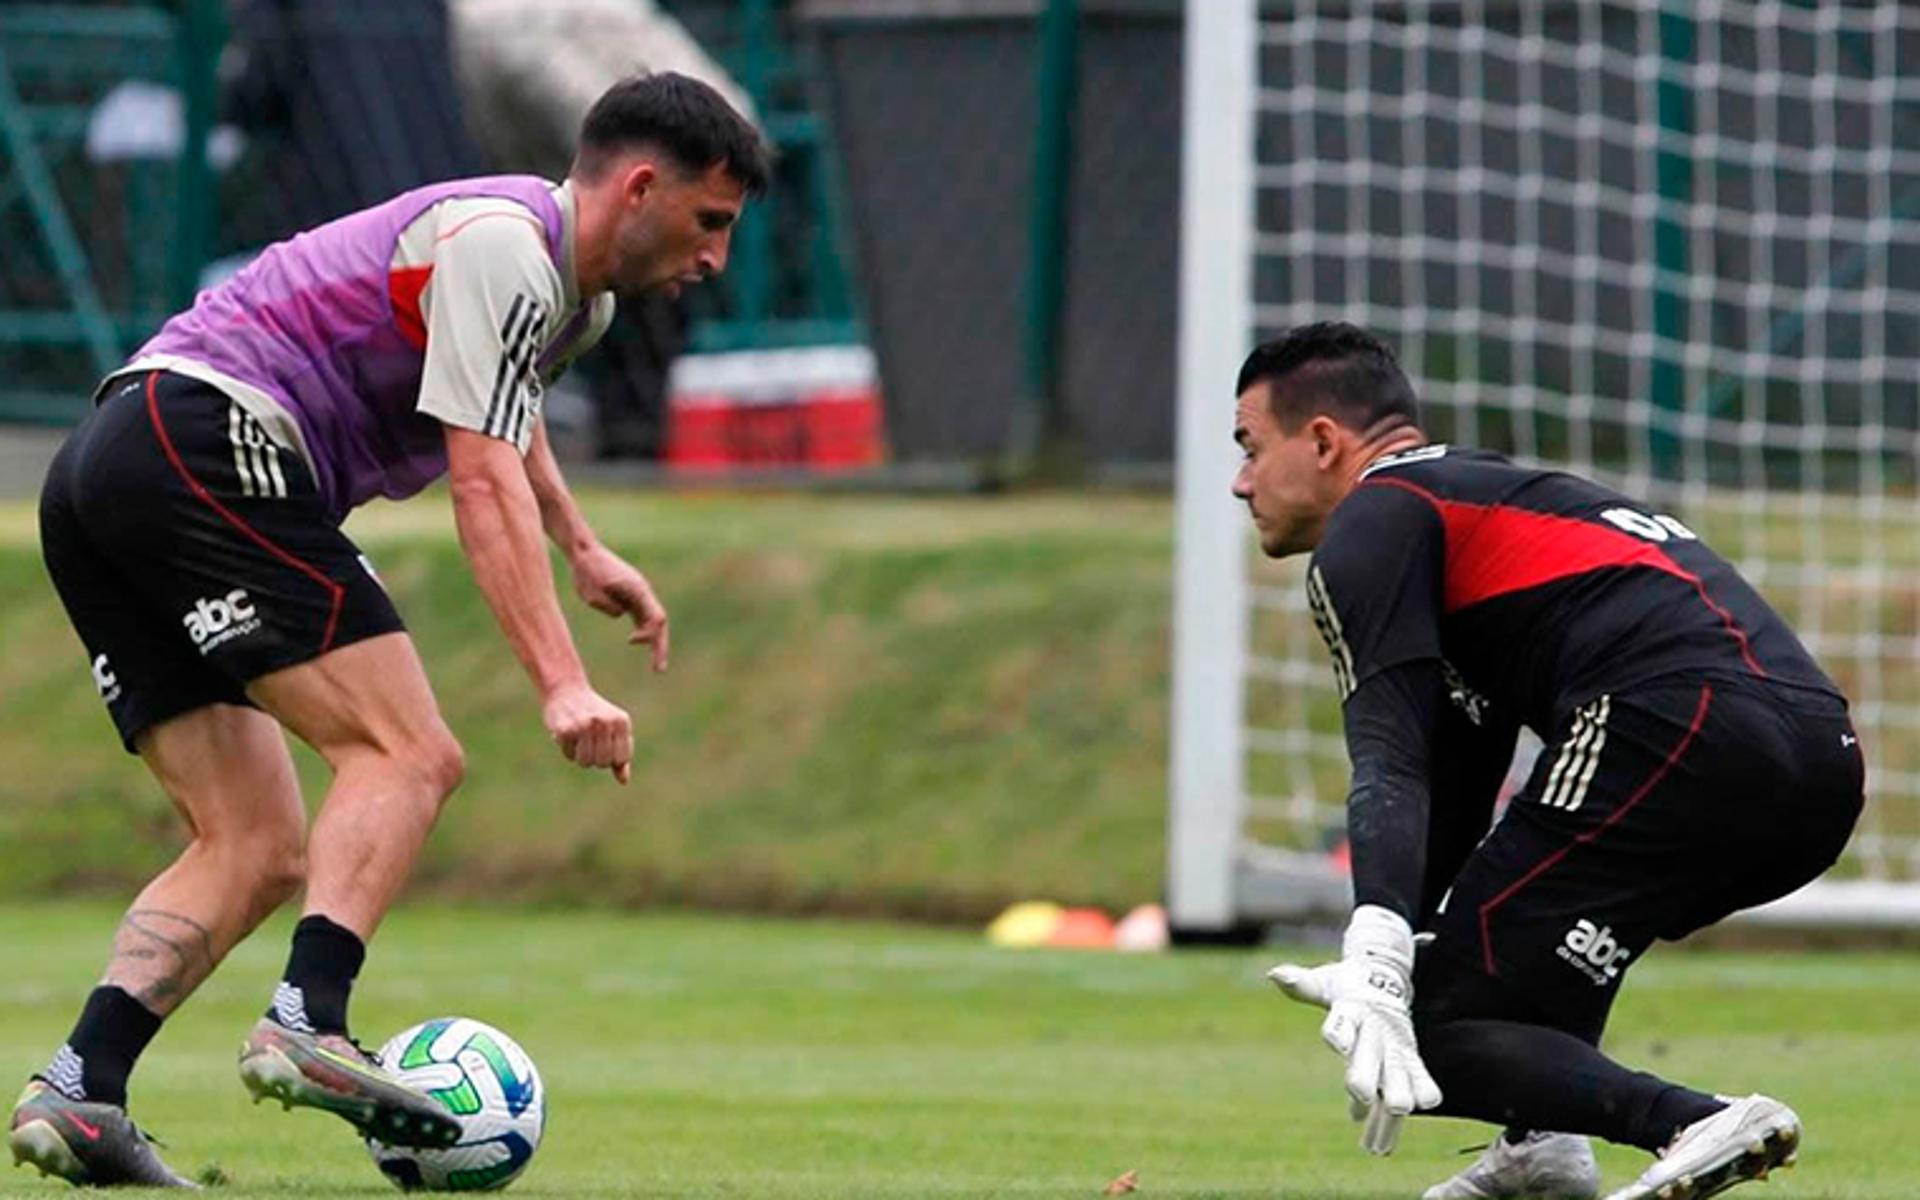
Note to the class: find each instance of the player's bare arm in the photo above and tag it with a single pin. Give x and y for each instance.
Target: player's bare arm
(499, 520)
(605, 581)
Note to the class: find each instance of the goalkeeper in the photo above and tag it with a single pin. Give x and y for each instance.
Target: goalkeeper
(1697, 762)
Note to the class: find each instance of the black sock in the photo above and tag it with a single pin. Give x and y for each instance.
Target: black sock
(1676, 1108)
(100, 1052)
(312, 996)
(1531, 1076)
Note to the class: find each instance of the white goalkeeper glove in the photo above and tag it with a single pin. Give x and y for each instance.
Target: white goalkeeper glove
(1368, 996)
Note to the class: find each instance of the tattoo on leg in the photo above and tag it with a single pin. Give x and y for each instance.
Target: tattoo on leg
(173, 954)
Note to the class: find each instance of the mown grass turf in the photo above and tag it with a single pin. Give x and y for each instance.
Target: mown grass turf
(718, 1057)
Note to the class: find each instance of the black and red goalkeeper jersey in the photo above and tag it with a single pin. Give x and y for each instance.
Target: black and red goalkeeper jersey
(1538, 590)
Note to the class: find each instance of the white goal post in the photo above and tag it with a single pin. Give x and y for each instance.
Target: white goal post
(1670, 246)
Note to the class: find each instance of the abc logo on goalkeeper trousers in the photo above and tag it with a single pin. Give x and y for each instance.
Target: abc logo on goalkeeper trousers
(1594, 952)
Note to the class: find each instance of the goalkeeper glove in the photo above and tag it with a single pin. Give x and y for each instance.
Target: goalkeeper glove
(1368, 996)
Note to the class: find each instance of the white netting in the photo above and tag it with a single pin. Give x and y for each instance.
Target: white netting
(1675, 249)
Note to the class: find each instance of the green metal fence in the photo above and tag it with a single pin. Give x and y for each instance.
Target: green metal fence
(92, 125)
(789, 282)
(109, 210)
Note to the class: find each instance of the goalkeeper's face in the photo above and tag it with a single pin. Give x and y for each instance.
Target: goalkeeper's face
(1289, 482)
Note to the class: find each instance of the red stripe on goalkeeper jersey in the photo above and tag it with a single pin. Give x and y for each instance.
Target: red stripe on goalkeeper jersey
(1493, 550)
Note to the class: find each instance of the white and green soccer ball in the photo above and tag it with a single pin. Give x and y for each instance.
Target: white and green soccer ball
(482, 1077)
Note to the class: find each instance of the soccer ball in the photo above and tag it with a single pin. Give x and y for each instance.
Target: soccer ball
(485, 1079)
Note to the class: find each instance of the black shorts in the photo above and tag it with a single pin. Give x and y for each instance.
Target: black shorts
(1653, 813)
(193, 555)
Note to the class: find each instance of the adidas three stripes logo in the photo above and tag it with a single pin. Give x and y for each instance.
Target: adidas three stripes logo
(1327, 621)
(516, 384)
(255, 458)
(1579, 757)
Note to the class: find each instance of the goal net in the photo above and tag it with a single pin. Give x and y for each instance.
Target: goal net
(1668, 245)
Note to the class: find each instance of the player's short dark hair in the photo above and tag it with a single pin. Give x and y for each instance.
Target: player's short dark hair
(1336, 369)
(687, 119)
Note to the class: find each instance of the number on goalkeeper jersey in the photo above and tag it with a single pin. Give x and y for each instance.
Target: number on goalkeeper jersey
(1657, 527)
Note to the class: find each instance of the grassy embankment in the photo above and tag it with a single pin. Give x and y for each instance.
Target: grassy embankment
(922, 706)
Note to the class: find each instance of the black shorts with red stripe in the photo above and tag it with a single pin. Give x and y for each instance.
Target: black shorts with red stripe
(1651, 813)
(193, 555)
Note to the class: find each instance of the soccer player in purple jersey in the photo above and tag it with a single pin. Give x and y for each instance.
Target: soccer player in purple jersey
(192, 527)
(1697, 762)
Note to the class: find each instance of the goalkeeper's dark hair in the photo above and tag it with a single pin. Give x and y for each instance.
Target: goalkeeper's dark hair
(1334, 369)
(684, 118)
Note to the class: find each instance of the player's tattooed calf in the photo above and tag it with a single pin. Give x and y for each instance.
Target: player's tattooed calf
(160, 956)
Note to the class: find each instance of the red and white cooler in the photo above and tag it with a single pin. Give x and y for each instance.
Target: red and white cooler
(816, 407)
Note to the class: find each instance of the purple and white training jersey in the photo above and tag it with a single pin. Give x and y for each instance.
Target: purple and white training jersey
(354, 343)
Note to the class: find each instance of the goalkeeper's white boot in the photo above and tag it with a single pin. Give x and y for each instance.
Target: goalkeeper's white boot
(1742, 1141)
(1541, 1166)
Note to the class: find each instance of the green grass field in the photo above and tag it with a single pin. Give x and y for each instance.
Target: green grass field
(699, 1056)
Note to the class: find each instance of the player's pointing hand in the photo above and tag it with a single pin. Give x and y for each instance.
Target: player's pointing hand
(610, 584)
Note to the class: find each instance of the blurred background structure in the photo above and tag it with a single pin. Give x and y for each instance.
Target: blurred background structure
(1664, 242)
(950, 179)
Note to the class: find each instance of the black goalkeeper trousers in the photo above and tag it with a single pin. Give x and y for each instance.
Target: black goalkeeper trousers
(1653, 813)
(1503, 1067)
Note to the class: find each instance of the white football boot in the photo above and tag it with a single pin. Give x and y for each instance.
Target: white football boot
(1542, 1166)
(1742, 1141)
